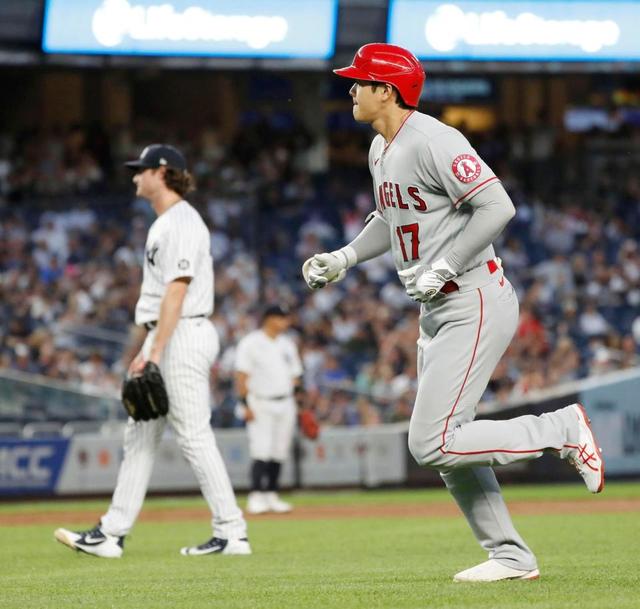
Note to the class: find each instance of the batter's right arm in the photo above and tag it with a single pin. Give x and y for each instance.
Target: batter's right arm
(373, 240)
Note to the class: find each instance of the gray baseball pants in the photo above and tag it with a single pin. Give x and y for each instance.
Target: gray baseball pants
(463, 337)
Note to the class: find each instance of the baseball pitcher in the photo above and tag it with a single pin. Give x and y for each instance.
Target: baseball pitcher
(170, 374)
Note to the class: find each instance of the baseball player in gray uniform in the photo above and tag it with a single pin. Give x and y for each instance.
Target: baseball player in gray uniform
(268, 377)
(439, 207)
(175, 303)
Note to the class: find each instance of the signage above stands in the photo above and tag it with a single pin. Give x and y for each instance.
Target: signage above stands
(544, 30)
(456, 90)
(207, 28)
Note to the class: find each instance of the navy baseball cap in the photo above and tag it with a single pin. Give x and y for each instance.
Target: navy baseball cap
(159, 155)
(276, 311)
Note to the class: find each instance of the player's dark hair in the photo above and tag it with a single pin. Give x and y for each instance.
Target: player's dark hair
(377, 83)
(181, 182)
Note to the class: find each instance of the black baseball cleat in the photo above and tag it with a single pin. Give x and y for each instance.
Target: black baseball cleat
(95, 542)
(219, 546)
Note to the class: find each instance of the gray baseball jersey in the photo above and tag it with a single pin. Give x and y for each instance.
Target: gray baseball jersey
(178, 245)
(425, 182)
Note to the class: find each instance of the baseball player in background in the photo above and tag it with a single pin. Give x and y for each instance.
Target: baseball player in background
(439, 207)
(268, 383)
(175, 303)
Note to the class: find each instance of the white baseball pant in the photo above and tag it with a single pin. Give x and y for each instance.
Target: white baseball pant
(185, 366)
(271, 431)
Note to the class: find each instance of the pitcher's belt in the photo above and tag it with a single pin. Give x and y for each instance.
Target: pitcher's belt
(150, 325)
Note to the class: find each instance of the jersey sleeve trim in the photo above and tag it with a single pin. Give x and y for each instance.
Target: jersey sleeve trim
(475, 190)
(375, 214)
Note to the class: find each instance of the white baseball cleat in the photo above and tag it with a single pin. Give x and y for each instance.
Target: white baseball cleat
(257, 503)
(95, 542)
(216, 545)
(493, 571)
(276, 504)
(586, 455)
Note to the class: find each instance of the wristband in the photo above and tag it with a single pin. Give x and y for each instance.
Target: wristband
(348, 254)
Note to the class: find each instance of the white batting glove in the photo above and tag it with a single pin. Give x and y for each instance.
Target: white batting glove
(423, 284)
(328, 267)
(321, 269)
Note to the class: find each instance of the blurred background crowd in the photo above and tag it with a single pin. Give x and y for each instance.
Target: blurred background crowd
(72, 240)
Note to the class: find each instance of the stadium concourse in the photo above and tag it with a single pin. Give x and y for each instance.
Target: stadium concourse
(72, 241)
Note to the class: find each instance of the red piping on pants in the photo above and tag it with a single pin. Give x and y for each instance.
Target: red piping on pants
(466, 376)
(464, 382)
(492, 450)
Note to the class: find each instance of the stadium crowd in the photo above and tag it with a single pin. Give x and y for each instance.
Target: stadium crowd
(72, 241)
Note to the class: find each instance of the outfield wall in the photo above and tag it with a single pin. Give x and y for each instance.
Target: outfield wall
(353, 456)
(88, 463)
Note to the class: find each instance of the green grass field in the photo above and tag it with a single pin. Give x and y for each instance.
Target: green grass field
(587, 560)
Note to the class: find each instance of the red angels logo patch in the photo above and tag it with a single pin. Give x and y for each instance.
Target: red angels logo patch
(466, 168)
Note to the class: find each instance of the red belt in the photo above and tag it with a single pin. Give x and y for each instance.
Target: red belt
(452, 286)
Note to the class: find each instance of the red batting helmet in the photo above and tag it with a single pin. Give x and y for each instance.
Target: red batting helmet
(390, 64)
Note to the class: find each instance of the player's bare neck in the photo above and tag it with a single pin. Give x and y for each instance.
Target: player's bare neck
(164, 200)
(390, 121)
(270, 331)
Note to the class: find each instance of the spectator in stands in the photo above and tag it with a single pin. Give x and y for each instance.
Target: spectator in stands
(592, 323)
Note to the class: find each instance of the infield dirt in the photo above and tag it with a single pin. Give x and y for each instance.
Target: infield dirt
(440, 510)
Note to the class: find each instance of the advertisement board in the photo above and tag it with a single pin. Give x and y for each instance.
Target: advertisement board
(545, 30)
(340, 457)
(209, 28)
(31, 466)
(88, 463)
(615, 418)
